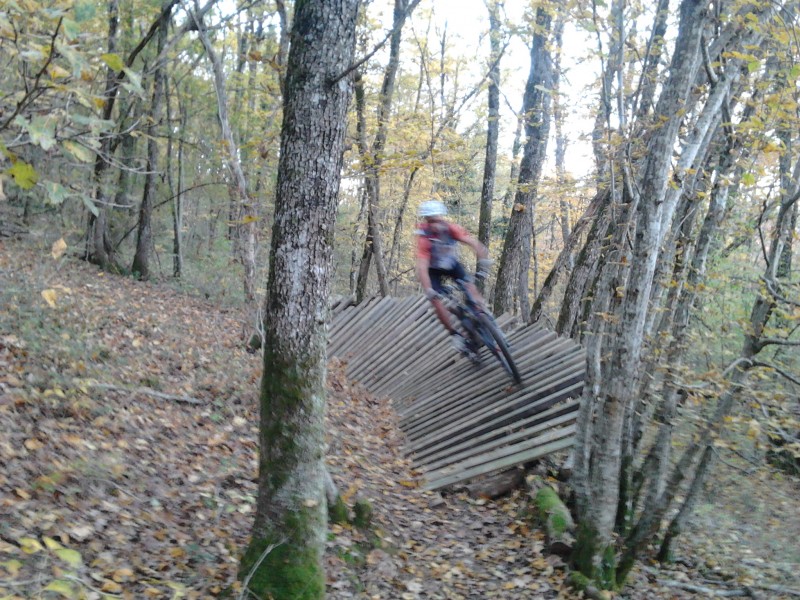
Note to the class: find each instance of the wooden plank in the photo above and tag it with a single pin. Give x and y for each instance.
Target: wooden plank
(445, 440)
(474, 395)
(391, 341)
(436, 409)
(344, 346)
(468, 425)
(341, 327)
(560, 414)
(435, 481)
(502, 452)
(533, 350)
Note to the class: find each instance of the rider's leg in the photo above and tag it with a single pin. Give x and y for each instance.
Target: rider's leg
(439, 308)
(444, 315)
(475, 293)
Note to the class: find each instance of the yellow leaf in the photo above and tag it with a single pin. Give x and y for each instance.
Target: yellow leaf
(51, 543)
(33, 444)
(58, 249)
(71, 557)
(12, 566)
(122, 575)
(30, 545)
(179, 588)
(50, 297)
(61, 587)
(112, 587)
(57, 72)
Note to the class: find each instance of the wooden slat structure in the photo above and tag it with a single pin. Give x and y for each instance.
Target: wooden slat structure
(461, 421)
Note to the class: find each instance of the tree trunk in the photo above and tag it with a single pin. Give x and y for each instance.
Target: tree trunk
(492, 132)
(144, 234)
(243, 206)
(597, 466)
(373, 244)
(564, 259)
(284, 558)
(561, 138)
(177, 205)
(99, 248)
(512, 274)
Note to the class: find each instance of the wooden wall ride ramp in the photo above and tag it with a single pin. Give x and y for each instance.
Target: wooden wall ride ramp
(461, 421)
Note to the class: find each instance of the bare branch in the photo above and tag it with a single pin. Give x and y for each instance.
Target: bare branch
(790, 376)
(380, 44)
(777, 342)
(772, 289)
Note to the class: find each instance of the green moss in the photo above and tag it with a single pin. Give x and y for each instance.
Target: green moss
(547, 500)
(363, 514)
(583, 555)
(603, 575)
(608, 569)
(578, 581)
(285, 569)
(558, 524)
(337, 512)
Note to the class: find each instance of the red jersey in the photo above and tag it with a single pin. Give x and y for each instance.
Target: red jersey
(439, 244)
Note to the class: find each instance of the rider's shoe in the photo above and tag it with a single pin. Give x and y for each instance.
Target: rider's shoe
(458, 341)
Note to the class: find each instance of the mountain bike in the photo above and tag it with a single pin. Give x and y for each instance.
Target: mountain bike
(480, 329)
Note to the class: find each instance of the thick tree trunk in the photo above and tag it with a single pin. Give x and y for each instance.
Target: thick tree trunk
(144, 234)
(512, 273)
(284, 558)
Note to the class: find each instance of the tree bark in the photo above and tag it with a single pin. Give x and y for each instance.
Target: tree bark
(373, 244)
(492, 133)
(597, 465)
(243, 205)
(144, 234)
(284, 558)
(512, 273)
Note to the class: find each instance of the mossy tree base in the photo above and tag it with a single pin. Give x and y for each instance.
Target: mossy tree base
(603, 572)
(273, 570)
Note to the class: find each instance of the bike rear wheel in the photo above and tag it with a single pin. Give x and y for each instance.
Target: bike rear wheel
(500, 348)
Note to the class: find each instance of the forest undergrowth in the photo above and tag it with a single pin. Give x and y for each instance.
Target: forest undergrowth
(128, 457)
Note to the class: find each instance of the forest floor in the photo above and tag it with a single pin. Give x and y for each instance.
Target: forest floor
(128, 458)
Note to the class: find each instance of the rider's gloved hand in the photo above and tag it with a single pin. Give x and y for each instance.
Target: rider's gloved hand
(431, 294)
(484, 264)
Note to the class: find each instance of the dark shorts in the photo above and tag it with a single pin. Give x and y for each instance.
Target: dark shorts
(456, 273)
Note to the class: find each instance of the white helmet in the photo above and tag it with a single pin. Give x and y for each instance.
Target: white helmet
(432, 208)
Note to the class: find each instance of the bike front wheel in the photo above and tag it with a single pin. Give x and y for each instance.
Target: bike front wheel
(500, 347)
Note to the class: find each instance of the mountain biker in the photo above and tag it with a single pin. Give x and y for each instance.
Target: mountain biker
(437, 258)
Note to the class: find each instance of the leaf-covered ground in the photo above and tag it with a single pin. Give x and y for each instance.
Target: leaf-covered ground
(128, 453)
